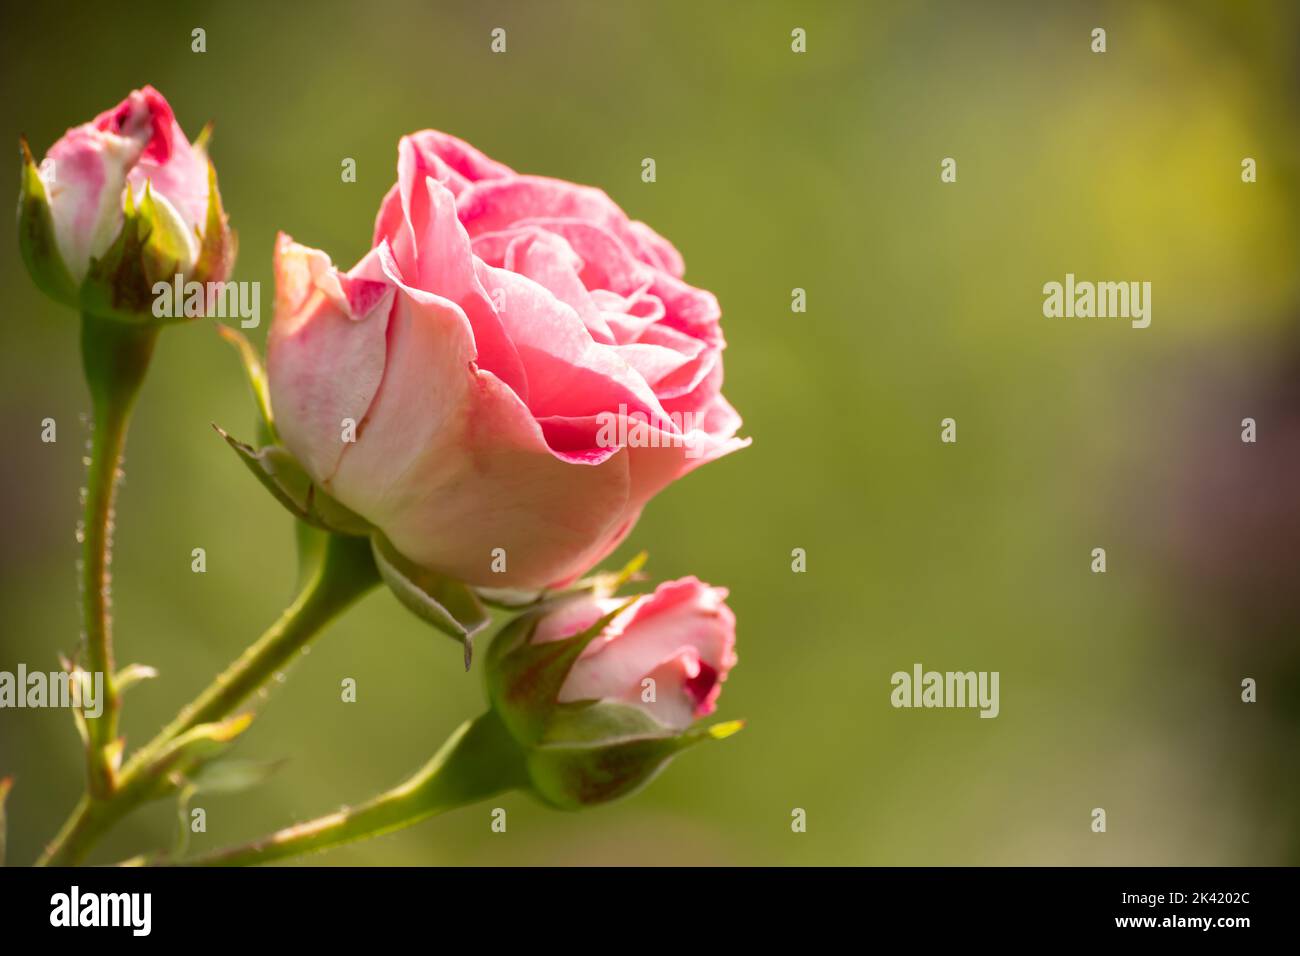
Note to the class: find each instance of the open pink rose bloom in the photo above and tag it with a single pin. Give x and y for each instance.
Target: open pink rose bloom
(524, 366)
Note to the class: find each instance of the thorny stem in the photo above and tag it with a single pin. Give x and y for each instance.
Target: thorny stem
(478, 760)
(344, 575)
(345, 572)
(115, 356)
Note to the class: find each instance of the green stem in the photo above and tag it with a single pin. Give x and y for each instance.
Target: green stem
(115, 356)
(345, 572)
(479, 760)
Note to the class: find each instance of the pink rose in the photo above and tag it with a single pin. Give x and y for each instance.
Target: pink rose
(524, 365)
(682, 637)
(86, 174)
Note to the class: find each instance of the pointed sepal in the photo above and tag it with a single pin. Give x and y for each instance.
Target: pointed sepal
(602, 584)
(447, 604)
(276, 468)
(598, 751)
(524, 677)
(36, 238)
(255, 373)
(119, 284)
(218, 245)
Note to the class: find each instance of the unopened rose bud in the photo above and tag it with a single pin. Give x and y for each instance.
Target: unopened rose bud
(118, 204)
(602, 692)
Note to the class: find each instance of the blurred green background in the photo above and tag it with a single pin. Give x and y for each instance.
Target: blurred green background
(775, 171)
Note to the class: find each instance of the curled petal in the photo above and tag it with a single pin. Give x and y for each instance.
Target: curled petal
(496, 204)
(84, 177)
(453, 466)
(326, 353)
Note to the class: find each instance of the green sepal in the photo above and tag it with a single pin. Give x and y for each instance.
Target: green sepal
(602, 584)
(36, 238)
(582, 722)
(589, 768)
(447, 604)
(119, 284)
(166, 244)
(524, 678)
(277, 469)
(204, 138)
(116, 285)
(149, 249)
(255, 372)
(605, 584)
(310, 539)
(219, 245)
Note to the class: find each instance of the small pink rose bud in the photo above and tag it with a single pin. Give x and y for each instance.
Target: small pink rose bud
(600, 693)
(667, 653)
(119, 203)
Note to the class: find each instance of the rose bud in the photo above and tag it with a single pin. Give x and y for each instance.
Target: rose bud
(601, 692)
(522, 366)
(118, 204)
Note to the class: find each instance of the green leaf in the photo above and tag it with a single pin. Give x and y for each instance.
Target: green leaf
(36, 240)
(182, 757)
(217, 777)
(277, 469)
(448, 605)
(133, 674)
(233, 776)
